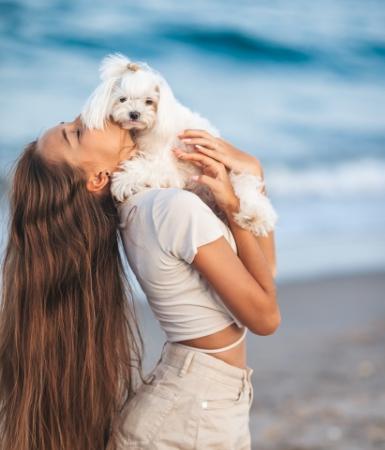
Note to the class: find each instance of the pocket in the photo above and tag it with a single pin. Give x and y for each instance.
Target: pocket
(220, 396)
(224, 418)
(146, 413)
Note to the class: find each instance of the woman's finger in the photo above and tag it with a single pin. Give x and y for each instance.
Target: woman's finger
(197, 163)
(221, 157)
(212, 183)
(205, 142)
(205, 160)
(208, 165)
(190, 133)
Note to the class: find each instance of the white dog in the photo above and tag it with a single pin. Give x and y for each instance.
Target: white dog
(140, 99)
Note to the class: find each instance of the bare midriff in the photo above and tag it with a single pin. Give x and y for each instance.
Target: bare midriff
(235, 356)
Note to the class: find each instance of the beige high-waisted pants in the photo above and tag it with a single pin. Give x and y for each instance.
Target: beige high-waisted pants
(193, 401)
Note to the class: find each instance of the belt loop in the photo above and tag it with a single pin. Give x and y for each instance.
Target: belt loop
(186, 364)
(244, 380)
(251, 389)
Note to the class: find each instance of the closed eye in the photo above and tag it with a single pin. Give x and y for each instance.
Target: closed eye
(149, 101)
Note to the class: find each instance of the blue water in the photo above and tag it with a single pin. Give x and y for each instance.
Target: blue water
(299, 84)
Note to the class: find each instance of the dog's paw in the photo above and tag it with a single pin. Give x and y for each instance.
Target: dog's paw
(257, 216)
(256, 212)
(120, 187)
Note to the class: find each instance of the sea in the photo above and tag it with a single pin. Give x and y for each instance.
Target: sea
(298, 84)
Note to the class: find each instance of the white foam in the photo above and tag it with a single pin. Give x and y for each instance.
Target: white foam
(365, 176)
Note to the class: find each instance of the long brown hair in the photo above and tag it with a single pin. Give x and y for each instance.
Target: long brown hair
(69, 339)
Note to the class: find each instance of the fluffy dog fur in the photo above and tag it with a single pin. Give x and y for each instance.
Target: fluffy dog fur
(141, 100)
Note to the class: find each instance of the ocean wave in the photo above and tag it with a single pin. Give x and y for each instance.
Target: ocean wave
(360, 177)
(236, 43)
(230, 38)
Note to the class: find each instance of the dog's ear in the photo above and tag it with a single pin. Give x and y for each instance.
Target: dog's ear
(97, 107)
(166, 106)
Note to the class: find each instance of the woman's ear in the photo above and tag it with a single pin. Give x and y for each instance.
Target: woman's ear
(98, 181)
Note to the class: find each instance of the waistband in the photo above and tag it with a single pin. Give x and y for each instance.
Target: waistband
(216, 350)
(184, 360)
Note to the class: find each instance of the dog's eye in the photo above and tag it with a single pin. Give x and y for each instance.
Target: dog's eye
(122, 99)
(149, 101)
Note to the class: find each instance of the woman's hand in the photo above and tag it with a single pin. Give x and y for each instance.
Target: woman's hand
(222, 151)
(215, 176)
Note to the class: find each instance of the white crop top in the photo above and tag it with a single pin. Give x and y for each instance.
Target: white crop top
(161, 229)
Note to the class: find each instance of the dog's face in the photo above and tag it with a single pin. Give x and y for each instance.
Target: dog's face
(131, 94)
(135, 100)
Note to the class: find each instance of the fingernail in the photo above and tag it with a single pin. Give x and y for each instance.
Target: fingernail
(194, 177)
(186, 140)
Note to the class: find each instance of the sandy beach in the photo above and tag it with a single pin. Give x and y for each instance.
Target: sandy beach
(319, 381)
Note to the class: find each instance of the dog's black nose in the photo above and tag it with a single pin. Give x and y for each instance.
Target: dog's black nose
(134, 115)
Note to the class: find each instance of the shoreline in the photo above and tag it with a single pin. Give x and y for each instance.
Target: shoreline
(322, 371)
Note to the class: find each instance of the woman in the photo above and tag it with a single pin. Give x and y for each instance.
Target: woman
(68, 340)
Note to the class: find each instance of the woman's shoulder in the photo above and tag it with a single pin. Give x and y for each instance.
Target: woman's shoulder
(181, 203)
(183, 222)
(168, 198)
(178, 197)
(163, 203)
(168, 208)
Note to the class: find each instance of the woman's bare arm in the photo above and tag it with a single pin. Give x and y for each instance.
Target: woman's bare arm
(238, 160)
(267, 244)
(244, 281)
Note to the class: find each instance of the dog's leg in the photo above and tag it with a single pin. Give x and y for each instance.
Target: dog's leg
(256, 213)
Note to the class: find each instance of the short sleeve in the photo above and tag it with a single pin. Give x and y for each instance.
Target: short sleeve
(185, 223)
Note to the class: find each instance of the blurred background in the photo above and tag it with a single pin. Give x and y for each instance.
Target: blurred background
(300, 85)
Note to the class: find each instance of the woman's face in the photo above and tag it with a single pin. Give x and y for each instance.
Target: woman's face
(97, 152)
